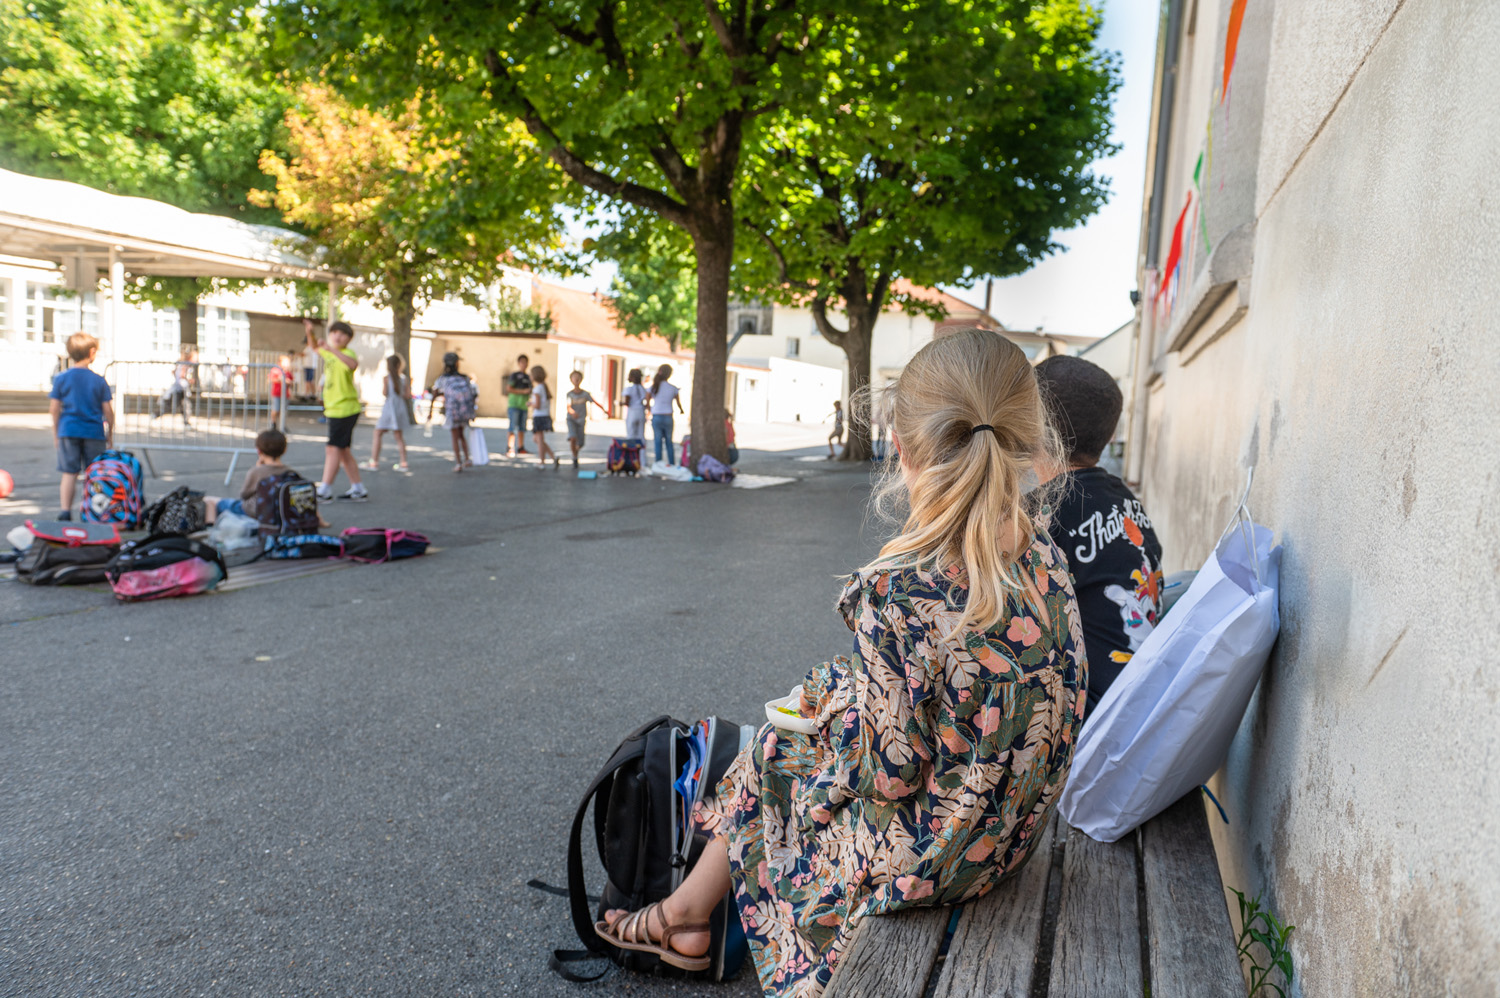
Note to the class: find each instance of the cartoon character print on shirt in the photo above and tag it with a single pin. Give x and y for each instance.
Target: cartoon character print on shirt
(1139, 606)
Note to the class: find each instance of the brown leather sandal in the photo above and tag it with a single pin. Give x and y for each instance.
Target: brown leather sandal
(632, 932)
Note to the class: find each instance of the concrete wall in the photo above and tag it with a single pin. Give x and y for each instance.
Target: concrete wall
(1358, 379)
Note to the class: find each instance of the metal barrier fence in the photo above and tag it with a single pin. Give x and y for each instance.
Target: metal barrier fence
(193, 406)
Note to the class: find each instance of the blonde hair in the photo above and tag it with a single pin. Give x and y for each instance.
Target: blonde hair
(80, 345)
(965, 491)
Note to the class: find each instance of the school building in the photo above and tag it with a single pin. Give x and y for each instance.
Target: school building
(1318, 255)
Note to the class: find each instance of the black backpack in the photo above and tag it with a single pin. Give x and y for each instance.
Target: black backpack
(180, 511)
(637, 814)
(286, 504)
(47, 563)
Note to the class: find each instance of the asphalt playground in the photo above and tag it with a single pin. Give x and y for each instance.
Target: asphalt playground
(339, 784)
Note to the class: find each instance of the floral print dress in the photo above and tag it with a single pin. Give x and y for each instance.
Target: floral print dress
(932, 776)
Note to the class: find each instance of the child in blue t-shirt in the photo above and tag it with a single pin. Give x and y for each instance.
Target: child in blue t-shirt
(83, 418)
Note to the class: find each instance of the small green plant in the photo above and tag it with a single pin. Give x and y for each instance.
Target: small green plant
(1259, 927)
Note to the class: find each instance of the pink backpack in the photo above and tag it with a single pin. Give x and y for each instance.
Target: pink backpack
(373, 545)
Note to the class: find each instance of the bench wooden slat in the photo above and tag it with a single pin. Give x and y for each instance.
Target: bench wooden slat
(891, 957)
(1098, 949)
(994, 948)
(1191, 941)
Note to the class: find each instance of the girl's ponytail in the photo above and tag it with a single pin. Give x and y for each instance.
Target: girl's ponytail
(969, 422)
(662, 374)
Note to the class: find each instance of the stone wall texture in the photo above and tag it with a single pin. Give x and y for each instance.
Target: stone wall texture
(1363, 789)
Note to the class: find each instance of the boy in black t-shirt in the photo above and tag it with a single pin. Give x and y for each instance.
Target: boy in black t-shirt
(1101, 527)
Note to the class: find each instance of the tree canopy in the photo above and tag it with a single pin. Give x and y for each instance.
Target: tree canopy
(941, 154)
(139, 97)
(393, 198)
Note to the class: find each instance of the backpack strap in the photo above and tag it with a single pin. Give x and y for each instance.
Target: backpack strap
(633, 747)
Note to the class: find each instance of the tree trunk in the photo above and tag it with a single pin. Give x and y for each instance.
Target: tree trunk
(857, 349)
(713, 246)
(187, 325)
(403, 311)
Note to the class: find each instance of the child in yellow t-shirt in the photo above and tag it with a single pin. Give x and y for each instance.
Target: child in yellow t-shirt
(341, 408)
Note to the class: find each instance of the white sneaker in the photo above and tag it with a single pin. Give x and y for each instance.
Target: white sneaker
(355, 494)
(325, 494)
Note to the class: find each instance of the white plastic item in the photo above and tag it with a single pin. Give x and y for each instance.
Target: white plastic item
(479, 452)
(791, 722)
(233, 531)
(1166, 723)
(672, 472)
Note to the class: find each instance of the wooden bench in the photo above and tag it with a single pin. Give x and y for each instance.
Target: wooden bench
(1143, 916)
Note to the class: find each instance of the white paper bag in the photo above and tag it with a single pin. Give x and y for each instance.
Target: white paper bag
(1166, 723)
(478, 452)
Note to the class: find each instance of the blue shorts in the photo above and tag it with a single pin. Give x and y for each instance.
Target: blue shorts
(230, 506)
(517, 419)
(76, 453)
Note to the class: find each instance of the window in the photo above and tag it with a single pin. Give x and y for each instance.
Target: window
(748, 326)
(793, 347)
(223, 333)
(4, 306)
(166, 331)
(51, 317)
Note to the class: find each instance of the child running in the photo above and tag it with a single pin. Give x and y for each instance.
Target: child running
(394, 414)
(83, 417)
(943, 739)
(541, 417)
(341, 408)
(459, 407)
(578, 413)
(837, 436)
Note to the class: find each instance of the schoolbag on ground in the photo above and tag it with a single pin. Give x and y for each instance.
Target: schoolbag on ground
(624, 457)
(711, 469)
(180, 511)
(460, 398)
(112, 491)
(164, 565)
(640, 810)
(303, 546)
(376, 544)
(67, 554)
(286, 504)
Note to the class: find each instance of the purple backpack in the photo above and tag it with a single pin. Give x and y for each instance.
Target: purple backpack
(711, 469)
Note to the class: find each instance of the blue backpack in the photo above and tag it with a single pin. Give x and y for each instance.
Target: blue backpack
(303, 546)
(112, 490)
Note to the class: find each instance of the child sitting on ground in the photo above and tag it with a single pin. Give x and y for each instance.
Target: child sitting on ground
(1098, 522)
(270, 445)
(83, 417)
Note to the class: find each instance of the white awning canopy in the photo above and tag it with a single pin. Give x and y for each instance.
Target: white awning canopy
(78, 227)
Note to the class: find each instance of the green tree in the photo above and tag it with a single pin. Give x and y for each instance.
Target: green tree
(144, 98)
(939, 155)
(645, 105)
(392, 198)
(655, 291)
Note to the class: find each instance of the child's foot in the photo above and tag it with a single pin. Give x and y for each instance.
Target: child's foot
(575, 462)
(65, 515)
(522, 450)
(557, 462)
(402, 466)
(458, 466)
(356, 493)
(371, 466)
(325, 494)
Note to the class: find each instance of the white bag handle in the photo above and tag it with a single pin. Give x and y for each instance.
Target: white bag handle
(1246, 524)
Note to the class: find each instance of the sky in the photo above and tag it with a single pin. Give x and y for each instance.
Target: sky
(1086, 288)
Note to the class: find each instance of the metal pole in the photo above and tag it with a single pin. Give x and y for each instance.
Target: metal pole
(116, 298)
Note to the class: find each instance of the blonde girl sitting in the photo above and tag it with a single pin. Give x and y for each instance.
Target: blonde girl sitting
(944, 738)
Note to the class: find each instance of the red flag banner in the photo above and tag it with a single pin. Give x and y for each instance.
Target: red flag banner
(1231, 43)
(1174, 255)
